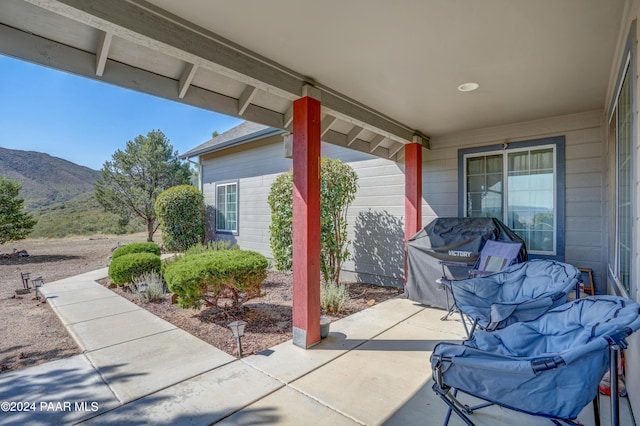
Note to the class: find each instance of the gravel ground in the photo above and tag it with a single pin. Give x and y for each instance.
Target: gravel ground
(32, 334)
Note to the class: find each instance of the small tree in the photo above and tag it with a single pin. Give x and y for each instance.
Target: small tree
(129, 185)
(338, 186)
(15, 224)
(180, 211)
(280, 230)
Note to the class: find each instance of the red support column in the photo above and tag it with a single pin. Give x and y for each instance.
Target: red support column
(412, 194)
(306, 222)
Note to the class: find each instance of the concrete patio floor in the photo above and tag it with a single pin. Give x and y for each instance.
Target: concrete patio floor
(138, 369)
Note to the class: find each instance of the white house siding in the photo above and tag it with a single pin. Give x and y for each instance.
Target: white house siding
(376, 218)
(585, 211)
(376, 227)
(632, 354)
(253, 166)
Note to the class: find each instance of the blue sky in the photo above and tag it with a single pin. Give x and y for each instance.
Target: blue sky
(86, 121)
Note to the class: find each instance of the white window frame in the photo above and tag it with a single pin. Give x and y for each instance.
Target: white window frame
(625, 71)
(227, 184)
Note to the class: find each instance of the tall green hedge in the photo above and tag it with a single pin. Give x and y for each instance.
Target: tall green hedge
(206, 277)
(181, 212)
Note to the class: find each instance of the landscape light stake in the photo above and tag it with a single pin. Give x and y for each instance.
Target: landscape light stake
(37, 283)
(237, 329)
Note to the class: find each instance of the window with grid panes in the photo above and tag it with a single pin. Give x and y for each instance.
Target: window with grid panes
(517, 186)
(227, 207)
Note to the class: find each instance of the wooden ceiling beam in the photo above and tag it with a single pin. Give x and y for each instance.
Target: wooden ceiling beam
(246, 97)
(188, 73)
(326, 124)
(353, 134)
(393, 150)
(102, 53)
(376, 142)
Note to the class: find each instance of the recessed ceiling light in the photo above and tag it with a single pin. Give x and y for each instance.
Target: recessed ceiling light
(468, 87)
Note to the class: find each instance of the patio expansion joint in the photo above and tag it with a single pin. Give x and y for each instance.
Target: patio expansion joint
(96, 318)
(83, 301)
(253, 401)
(74, 279)
(118, 343)
(122, 404)
(103, 381)
(58, 292)
(324, 404)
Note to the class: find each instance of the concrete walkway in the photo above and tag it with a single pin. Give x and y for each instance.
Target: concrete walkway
(138, 369)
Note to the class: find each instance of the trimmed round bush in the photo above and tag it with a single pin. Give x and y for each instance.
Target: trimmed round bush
(181, 212)
(152, 248)
(126, 268)
(205, 277)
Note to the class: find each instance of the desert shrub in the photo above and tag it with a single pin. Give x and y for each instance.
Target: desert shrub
(148, 287)
(126, 268)
(152, 248)
(211, 246)
(180, 210)
(333, 297)
(209, 276)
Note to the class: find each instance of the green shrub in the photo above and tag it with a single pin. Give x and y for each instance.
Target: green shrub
(152, 248)
(180, 210)
(338, 186)
(126, 268)
(166, 261)
(333, 297)
(209, 276)
(280, 201)
(211, 246)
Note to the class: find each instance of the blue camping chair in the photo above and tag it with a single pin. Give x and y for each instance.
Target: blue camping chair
(494, 256)
(549, 367)
(521, 292)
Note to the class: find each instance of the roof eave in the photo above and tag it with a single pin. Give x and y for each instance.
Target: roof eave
(262, 134)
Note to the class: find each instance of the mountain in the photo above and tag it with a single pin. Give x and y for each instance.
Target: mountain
(59, 194)
(46, 180)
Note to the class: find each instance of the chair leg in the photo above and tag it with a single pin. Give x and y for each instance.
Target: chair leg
(453, 403)
(613, 371)
(451, 308)
(451, 311)
(464, 324)
(469, 331)
(596, 409)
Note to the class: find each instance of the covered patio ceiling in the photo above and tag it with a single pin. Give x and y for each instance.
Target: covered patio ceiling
(387, 72)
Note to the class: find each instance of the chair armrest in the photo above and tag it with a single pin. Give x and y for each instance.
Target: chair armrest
(445, 282)
(473, 273)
